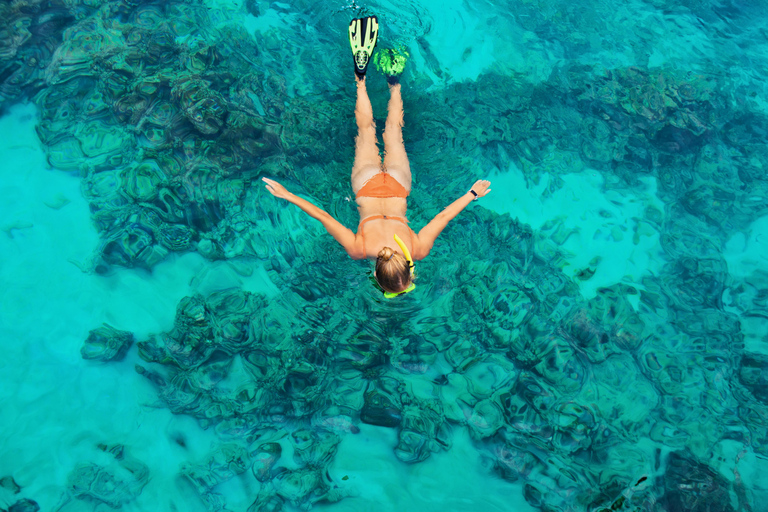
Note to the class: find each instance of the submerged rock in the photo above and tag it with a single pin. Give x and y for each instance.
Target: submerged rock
(753, 374)
(381, 410)
(264, 458)
(8, 483)
(114, 485)
(106, 344)
(25, 505)
(691, 485)
(227, 461)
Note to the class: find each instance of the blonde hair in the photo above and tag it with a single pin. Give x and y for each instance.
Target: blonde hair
(392, 271)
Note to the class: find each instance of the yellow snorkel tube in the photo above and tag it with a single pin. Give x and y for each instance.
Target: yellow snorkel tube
(407, 254)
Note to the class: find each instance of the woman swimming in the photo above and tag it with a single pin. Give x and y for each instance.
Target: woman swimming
(381, 189)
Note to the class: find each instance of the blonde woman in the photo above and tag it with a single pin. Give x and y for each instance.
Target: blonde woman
(381, 188)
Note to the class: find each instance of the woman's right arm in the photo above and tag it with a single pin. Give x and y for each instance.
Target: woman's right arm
(343, 235)
(431, 231)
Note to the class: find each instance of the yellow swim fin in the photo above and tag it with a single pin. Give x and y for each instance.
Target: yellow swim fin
(363, 34)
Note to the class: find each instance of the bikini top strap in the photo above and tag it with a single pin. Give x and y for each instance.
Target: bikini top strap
(362, 231)
(372, 217)
(381, 216)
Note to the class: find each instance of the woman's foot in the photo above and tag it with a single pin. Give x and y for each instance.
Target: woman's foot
(391, 62)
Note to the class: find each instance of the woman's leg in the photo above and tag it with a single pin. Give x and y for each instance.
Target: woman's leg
(395, 160)
(367, 159)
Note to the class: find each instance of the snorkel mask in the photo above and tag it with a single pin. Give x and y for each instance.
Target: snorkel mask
(407, 254)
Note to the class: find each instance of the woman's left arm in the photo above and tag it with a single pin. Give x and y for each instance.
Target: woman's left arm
(431, 231)
(343, 235)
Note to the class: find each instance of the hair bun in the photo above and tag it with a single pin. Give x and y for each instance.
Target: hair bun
(392, 270)
(386, 253)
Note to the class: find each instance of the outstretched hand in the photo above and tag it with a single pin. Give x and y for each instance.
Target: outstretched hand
(276, 189)
(481, 187)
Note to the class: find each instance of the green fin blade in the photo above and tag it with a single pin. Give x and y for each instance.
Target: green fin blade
(391, 62)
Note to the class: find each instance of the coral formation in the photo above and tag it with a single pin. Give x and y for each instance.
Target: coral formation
(24, 505)
(167, 115)
(114, 485)
(543, 380)
(106, 344)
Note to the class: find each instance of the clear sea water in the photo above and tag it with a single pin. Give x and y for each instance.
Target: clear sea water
(591, 336)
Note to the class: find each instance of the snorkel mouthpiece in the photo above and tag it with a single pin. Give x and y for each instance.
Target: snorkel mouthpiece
(407, 254)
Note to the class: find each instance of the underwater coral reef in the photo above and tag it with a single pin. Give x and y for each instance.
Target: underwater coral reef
(169, 115)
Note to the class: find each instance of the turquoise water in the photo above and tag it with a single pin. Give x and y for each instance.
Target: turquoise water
(590, 336)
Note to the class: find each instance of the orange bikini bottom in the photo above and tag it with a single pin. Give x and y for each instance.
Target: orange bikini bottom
(382, 185)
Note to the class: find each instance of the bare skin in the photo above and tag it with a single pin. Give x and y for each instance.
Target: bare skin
(379, 233)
